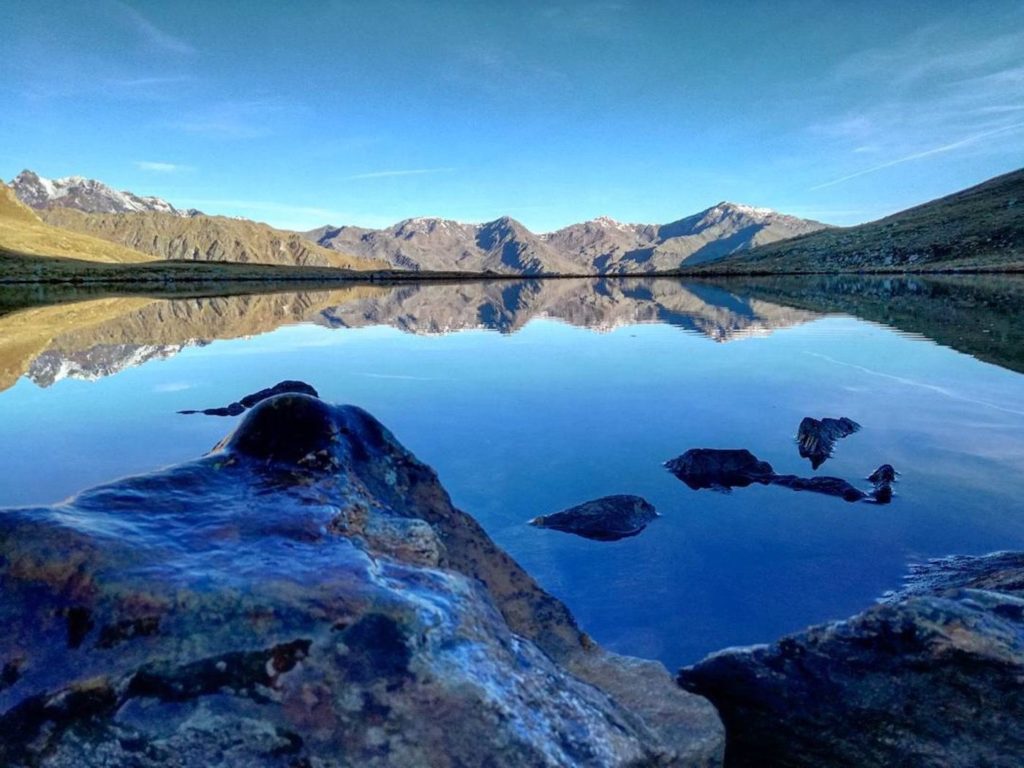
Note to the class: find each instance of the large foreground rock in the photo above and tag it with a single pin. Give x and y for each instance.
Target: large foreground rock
(934, 676)
(305, 596)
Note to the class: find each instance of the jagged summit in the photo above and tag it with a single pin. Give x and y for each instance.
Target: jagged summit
(86, 195)
(602, 245)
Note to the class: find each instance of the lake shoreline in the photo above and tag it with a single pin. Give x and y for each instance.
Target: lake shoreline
(18, 269)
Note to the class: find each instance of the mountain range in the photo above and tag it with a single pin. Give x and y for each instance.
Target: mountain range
(981, 228)
(599, 246)
(503, 246)
(87, 220)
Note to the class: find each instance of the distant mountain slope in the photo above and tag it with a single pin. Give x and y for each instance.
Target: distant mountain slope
(723, 229)
(502, 246)
(23, 233)
(87, 195)
(977, 228)
(204, 238)
(598, 246)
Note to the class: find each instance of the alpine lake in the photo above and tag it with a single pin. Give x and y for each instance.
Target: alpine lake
(531, 396)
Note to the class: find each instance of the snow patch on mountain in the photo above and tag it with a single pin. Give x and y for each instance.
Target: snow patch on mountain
(87, 195)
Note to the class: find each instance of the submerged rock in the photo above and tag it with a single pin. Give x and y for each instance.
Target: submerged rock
(930, 678)
(239, 407)
(883, 479)
(306, 595)
(723, 470)
(830, 486)
(816, 439)
(606, 519)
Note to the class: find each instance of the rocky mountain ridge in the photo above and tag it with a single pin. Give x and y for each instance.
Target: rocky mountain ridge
(86, 195)
(598, 246)
(502, 246)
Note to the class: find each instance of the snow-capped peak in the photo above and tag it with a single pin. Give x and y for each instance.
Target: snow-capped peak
(80, 193)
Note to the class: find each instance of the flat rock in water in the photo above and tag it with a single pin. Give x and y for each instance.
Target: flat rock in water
(816, 438)
(305, 595)
(931, 678)
(606, 519)
(720, 469)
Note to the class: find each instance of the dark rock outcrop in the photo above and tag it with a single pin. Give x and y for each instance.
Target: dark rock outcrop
(306, 595)
(241, 406)
(609, 518)
(883, 479)
(816, 439)
(719, 469)
(931, 677)
(725, 469)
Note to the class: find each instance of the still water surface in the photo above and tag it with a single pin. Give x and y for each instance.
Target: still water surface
(531, 397)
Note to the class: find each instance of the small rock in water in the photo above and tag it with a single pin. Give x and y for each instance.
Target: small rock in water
(720, 469)
(816, 439)
(239, 407)
(883, 478)
(606, 519)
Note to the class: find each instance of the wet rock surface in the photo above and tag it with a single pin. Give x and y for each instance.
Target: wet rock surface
(725, 469)
(241, 406)
(931, 677)
(609, 518)
(305, 595)
(816, 439)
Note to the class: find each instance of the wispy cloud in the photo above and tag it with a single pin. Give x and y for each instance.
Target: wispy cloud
(939, 91)
(149, 165)
(147, 82)
(403, 172)
(150, 33)
(923, 154)
(234, 119)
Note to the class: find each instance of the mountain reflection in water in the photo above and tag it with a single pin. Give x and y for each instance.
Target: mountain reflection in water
(530, 396)
(100, 337)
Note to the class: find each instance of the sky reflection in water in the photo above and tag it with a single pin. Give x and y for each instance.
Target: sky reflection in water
(535, 421)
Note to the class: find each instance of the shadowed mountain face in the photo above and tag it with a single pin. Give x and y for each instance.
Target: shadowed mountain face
(95, 338)
(599, 246)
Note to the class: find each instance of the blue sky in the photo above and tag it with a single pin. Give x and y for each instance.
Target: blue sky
(306, 113)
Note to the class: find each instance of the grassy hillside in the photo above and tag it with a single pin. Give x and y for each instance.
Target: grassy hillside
(981, 228)
(205, 238)
(22, 232)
